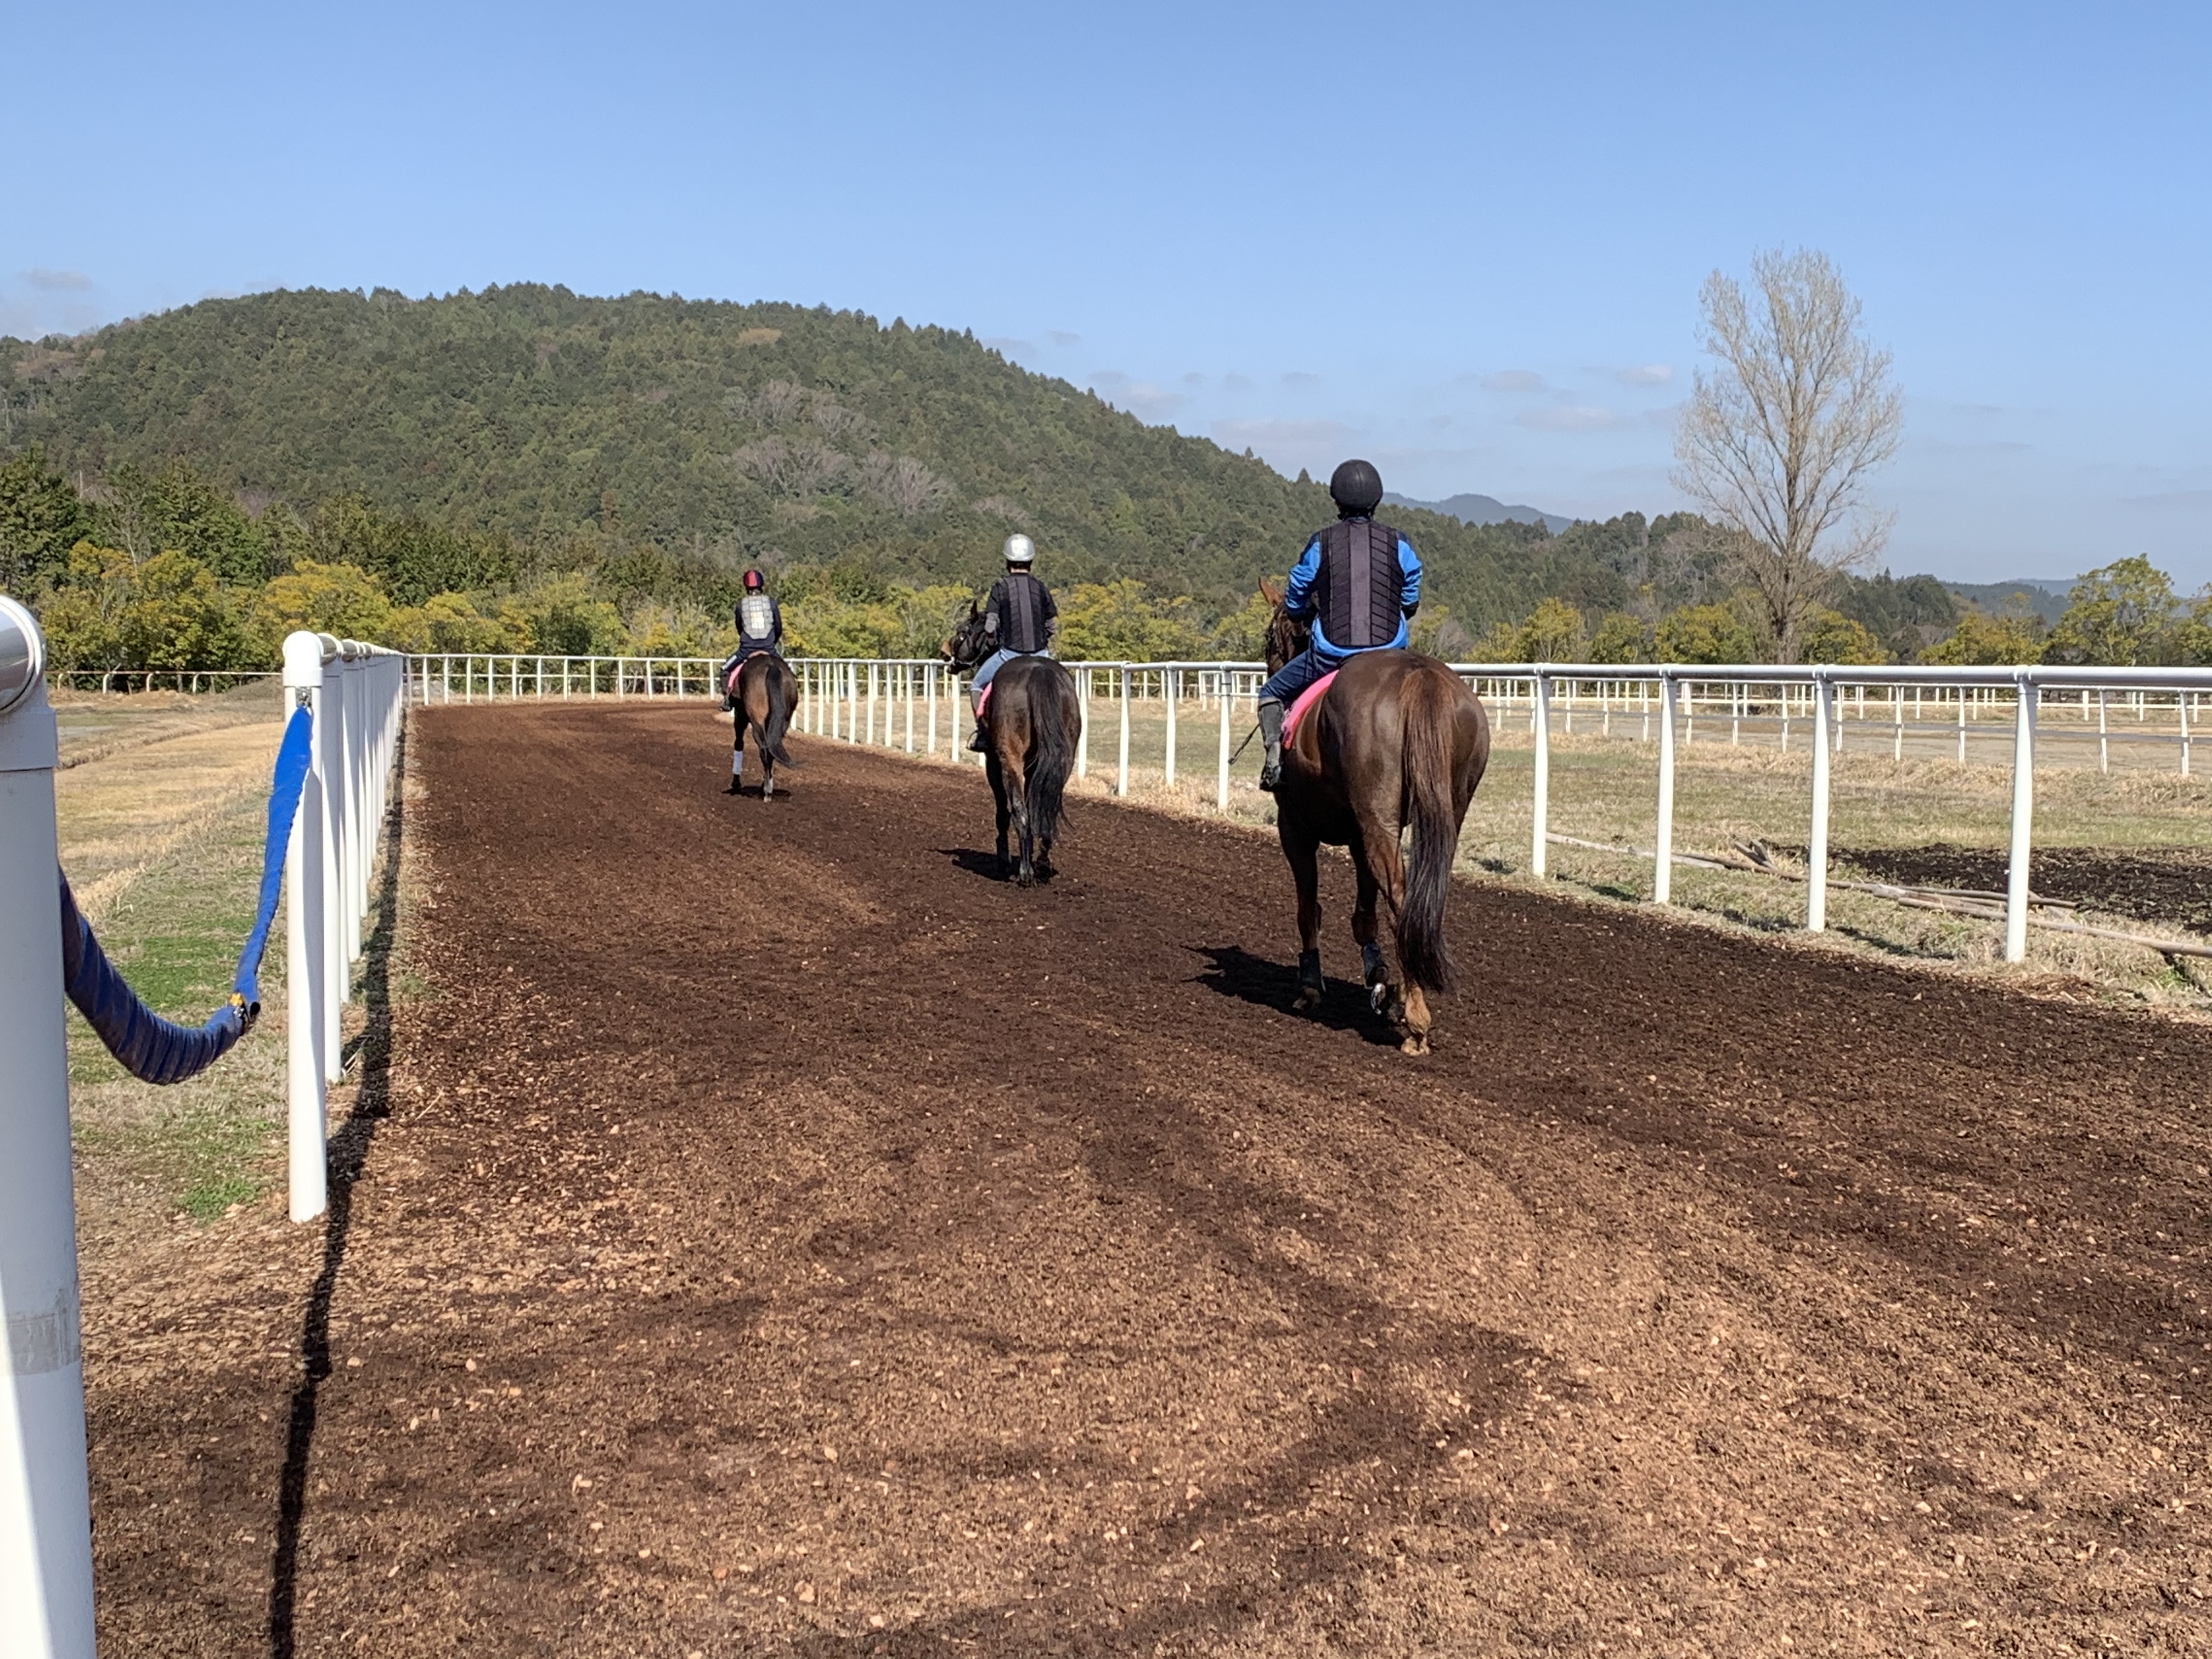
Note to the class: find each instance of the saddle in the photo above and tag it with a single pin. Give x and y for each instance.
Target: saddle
(1305, 700)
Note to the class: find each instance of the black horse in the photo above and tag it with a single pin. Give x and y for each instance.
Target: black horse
(1031, 725)
(766, 692)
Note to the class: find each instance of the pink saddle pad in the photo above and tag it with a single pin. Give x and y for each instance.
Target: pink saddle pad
(983, 701)
(1306, 699)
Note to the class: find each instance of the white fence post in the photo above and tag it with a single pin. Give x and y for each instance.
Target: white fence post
(46, 1512)
(1222, 680)
(306, 958)
(1171, 683)
(327, 780)
(1816, 854)
(1122, 773)
(1662, 862)
(2023, 816)
(1540, 727)
(1083, 723)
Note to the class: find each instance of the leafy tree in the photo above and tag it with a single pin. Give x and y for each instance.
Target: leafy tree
(1552, 632)
(1621, 638)
(41, 519)
(1705, 633)
(163, 613)
(341, 599)
(1830, 636)
(2122, 614)
(564, 616)
(449, 622)
(1118, 621)
(1981, 639)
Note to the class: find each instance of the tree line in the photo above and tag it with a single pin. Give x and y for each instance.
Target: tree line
(529, 470)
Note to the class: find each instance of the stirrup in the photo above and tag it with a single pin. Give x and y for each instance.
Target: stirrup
(977, 746)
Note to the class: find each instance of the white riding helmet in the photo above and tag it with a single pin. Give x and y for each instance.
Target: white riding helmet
(1020, 549)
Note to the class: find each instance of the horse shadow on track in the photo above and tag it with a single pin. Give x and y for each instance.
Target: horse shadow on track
(348, 1151)
(1235, 972)
(979, 862)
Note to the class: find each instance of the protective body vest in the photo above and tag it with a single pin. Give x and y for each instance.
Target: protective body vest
(757, 621)
(1022, 607)
(1357, 590)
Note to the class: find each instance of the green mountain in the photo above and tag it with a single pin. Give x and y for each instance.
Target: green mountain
(473, 442)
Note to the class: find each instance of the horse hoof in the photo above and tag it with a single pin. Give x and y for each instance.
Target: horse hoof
(1307, 999)
(1414, 1044)
(1378, 996)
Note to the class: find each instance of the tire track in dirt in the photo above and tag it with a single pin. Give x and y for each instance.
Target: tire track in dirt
(789, 1240)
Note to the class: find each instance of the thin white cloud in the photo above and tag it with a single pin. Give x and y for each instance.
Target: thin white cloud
(1193, 378)
(1235, 383)
(1007, 346)
(1569, 418)
(1061, 337)
(1147, 401)
(58, 281)
(1298, 377)
(1237, 434)
(1512, 380)
(1645, 374)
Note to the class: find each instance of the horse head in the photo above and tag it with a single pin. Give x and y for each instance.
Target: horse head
(970, 643)
(1286, 635)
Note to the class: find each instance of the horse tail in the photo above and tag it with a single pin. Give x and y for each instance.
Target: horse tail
(1426, 717)
(769, 733)
(1054, 723)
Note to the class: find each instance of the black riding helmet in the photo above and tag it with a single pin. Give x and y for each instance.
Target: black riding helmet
(1355, 487)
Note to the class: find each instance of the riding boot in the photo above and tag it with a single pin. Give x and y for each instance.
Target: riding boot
(976, 744)
(1271, 734)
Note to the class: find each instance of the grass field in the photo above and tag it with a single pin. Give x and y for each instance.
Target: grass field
(161, 805)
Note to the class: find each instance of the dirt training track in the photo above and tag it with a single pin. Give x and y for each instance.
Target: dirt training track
(785, 1238)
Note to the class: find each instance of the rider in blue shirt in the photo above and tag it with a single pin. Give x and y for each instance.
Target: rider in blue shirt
(1357, 583)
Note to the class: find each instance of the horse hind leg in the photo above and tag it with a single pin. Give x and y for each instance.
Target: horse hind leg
(1305, 871)
(1413, 1022)
(1374, 971)
(1018, 807)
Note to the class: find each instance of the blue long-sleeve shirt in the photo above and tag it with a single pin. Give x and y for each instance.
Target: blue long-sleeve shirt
(1299, 599)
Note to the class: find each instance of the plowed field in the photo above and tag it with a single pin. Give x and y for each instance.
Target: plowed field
(774, 1234)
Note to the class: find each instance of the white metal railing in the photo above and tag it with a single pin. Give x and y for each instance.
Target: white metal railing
(355, 692)
(881, 700)
(358, 696)
(156, 679)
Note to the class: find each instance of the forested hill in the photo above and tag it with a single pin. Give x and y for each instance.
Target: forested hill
(662, 443)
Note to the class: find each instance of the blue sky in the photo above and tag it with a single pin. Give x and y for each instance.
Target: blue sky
(1465, 242)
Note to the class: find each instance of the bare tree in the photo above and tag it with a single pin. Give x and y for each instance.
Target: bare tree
(904, 484)
(1777, 443)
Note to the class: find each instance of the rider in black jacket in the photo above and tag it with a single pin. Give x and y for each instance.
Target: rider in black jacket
(1019, 619)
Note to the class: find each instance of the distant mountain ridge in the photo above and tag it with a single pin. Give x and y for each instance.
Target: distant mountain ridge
(2046, 599)
(1482, 509)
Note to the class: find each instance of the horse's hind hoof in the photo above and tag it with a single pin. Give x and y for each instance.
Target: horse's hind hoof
(1307, 1000)
(1414, 1044)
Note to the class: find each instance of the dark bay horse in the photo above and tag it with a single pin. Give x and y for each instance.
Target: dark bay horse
(766, 693)
(1031, 725)
(1398, 742)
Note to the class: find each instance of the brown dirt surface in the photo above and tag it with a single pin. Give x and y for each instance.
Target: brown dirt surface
(2171, 886)
(773, 1235)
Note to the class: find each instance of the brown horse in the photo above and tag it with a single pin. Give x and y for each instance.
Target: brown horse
(766, 692)
(1398, 742)
(1032, 726)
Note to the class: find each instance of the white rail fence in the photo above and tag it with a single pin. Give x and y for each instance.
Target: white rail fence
(358, 695)
(1954, 713)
